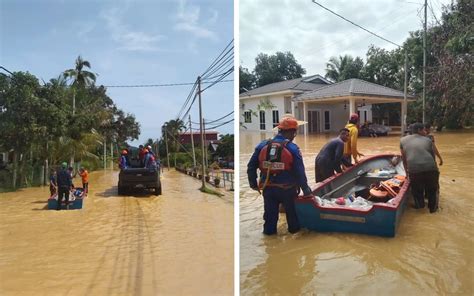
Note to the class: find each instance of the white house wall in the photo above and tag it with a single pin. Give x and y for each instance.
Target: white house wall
(252, 104)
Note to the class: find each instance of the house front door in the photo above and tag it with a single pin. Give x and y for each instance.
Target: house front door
(314, 119)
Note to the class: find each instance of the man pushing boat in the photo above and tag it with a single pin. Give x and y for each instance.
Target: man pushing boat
(282, 174)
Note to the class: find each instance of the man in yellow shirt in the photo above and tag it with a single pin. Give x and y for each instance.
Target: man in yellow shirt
(350, 147)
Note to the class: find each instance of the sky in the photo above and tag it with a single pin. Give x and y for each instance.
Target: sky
(127, 43)
(314, 35)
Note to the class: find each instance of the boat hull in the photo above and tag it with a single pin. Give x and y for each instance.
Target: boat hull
(381, 219)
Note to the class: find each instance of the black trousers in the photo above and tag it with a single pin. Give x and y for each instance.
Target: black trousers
(85, 186)
(323, 169)
(425, 185)
(272, 197)
(63, 192)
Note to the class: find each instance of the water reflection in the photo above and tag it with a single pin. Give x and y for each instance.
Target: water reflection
(430, 255)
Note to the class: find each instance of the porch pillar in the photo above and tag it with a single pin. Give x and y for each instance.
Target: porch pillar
(403, 119)
(305, 118)
(293, 109)
(352, 106)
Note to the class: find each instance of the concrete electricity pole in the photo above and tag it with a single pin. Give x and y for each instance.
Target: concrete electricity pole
(192, 141)
(202, 135)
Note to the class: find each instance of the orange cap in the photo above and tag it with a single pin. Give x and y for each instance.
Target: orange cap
(124, 152)
(287, 123)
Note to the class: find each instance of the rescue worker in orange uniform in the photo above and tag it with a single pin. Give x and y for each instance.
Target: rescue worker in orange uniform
(282, 174)
(85, 179)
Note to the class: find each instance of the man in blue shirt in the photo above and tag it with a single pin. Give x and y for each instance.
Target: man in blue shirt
(330, 157)
(64, 182)
(282, 174)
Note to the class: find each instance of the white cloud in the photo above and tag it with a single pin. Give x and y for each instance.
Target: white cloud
(314, 35)
(128, 39)
(188, 21)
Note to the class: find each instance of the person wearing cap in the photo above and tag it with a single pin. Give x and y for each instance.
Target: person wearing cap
(64, 182)
(420, 165)
(149, 159)
(123, 164)
(141, 154)
(350, 147)
(282, 174)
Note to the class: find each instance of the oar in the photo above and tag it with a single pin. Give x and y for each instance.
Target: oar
(359, 174)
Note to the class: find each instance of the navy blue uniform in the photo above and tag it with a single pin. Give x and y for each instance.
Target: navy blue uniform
(329, 159)
(64, 186)
(289, 180)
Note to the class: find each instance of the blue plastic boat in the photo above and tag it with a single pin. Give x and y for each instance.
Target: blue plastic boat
(351, 213)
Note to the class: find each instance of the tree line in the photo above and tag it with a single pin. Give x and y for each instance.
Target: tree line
(66, 119)
(449, 74)
(181, 154)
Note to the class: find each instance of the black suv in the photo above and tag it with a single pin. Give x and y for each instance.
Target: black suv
(137, 177)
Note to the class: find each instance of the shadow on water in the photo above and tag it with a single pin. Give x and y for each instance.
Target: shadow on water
(113, 192)
(45, 207)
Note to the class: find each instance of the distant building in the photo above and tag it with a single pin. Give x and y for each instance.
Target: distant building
(185, 138)
(325, 106)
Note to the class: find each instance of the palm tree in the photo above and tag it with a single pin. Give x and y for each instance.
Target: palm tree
(81, 78)
(174, 127)
(344, 67)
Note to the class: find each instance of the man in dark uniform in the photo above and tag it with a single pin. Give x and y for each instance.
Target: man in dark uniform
(282, 174)
(330, 157)
(64, 185)
(420, 165)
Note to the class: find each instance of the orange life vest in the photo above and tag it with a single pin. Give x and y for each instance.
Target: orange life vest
(275, 158)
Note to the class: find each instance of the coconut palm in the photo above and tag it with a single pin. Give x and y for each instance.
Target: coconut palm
(344, 67)
(81, 78)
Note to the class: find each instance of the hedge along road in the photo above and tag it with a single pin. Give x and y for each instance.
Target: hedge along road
(180, 242)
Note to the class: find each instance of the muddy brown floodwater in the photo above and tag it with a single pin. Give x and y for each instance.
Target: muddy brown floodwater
(432, 254)
(179, 243)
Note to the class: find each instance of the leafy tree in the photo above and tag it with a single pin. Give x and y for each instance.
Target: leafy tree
(344, 67)
(278, 67)
(246, 80)
(226, 147)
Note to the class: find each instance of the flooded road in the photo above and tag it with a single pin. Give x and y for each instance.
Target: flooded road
(432, 254)
(179, 243)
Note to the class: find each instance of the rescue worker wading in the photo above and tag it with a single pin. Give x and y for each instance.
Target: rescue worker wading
(282, 174)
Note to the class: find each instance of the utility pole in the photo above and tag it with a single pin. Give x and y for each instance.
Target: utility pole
(73, 101)
(405, 90)
(202, 135)
(204, 128)
(424, 62)
(111, 155)
(105, 153)
(192, 140)
(166, 142)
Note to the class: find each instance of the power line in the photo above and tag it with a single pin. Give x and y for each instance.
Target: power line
(217, 81)
(165, 85)
(355, 23)
(187, 99)
(217, 59)
(219, 125)
(212, 121)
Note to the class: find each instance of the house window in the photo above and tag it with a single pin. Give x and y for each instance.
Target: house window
(276, 118)
(262, 120)
(327, 120)
(247, 117)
